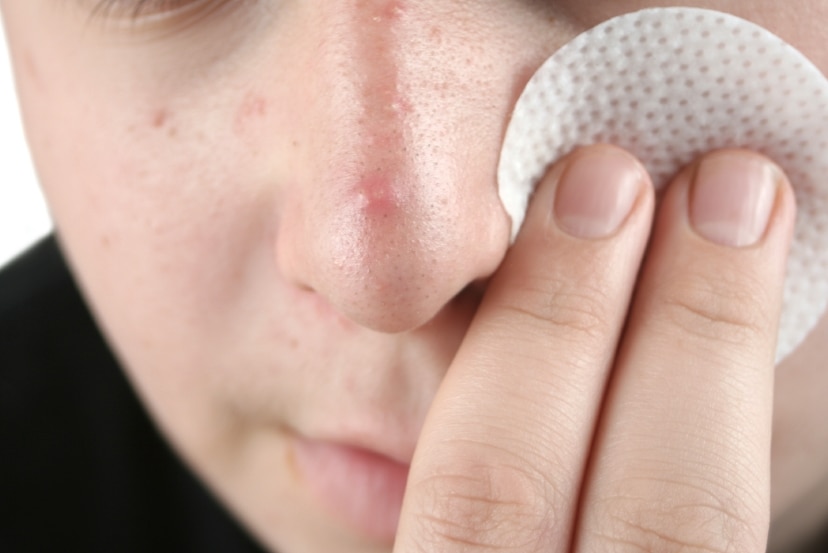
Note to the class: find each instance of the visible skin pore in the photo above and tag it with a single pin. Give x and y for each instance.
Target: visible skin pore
(285, 217)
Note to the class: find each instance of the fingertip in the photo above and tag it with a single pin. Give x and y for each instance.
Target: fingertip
(733, 197)
(589, 194)
(783, 216)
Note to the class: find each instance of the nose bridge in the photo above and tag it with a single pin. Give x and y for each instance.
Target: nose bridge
(385, 207)
(365, 101)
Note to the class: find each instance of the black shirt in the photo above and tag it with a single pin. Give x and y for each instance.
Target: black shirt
(82, 468)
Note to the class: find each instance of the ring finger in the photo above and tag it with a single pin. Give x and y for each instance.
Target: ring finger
(682, 456)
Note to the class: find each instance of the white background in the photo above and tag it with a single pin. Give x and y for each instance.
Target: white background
(23, 215)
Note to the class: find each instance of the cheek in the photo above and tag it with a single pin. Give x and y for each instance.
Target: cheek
(165, 200)
(152, 190)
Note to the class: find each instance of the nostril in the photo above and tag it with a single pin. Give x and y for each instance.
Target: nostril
(477, 287)
(304, 288)
(396, 292)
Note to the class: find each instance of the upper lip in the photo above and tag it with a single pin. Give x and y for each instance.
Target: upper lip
(391, 445)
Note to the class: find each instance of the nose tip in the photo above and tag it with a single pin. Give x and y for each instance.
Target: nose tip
(389, 252)
(389, 207)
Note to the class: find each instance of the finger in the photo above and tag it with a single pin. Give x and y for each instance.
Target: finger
(682, 457)
(499, 460)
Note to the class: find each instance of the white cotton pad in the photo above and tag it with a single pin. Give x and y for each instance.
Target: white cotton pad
(669, 84)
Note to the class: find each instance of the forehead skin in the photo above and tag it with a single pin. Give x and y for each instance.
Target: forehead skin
(189, 166)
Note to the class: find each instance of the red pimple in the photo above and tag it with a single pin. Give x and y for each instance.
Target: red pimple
(400, 104)
(376, 196)
(159, 118)
(253, 107)
(392, 11)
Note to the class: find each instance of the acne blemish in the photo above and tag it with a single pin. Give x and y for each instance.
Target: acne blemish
(159, 118)
(253, 107)
(389, 11)
(376, 196)
(31, 68)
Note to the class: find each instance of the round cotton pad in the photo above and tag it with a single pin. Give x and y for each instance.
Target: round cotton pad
(669, 84)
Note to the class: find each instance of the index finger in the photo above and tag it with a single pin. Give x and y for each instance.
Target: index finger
(500, 459)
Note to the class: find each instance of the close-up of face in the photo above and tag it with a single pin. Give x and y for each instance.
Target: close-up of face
(284, 213)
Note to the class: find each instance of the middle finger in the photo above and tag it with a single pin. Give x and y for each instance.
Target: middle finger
(499, 461)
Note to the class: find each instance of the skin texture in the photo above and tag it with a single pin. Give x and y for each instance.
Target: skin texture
(284, 215)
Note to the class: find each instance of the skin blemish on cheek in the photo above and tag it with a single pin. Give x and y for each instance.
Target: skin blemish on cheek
(159, 118)
(253, 107)
(31, 69)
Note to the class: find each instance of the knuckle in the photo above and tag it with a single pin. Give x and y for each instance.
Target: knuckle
(570, 311)
(481, 506)
(683, 519)
(726, 308)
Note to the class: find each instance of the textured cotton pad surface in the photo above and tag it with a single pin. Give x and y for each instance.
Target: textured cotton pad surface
(669, 84)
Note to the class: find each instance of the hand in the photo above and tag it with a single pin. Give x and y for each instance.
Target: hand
(592, 408)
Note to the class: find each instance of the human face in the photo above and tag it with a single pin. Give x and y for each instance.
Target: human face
(283, 215)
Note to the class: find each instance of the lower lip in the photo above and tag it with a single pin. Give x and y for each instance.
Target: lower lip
(361, 488)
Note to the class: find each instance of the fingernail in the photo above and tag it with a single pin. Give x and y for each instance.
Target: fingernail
(732, 198)
(597, 192)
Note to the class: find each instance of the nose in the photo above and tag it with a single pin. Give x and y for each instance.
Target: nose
(393, 209)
